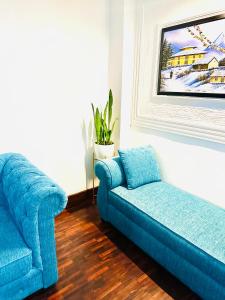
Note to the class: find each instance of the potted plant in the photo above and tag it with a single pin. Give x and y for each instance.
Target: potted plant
(103, 146)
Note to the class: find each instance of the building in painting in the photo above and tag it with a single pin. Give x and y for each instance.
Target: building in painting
(206, 63)
(186, 56)
(218, 76)
(222, 62)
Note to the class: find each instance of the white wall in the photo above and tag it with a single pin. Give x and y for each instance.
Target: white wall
(193, 165)
(116, 11)
(53, 63)
(58, 56)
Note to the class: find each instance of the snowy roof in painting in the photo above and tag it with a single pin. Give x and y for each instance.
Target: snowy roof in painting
(188, 46)
(189, 52)
(205, 60)
(218, 73)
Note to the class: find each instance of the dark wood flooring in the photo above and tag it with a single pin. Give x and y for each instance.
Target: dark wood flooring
(97, 262)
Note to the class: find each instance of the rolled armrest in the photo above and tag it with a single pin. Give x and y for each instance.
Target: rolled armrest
(33, 200)
(110, 172)
(27, 190)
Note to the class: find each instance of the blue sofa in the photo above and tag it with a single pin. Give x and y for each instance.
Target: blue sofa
(29, 202)
(182, 232)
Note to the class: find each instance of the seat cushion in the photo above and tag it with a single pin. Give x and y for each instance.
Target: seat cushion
(190, 226)
(15, 256)
(140, 166)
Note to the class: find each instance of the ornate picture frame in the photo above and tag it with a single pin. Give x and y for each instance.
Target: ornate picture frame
(198, 117)
(192, 58)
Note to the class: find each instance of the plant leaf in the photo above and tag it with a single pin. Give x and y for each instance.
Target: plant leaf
(110, 104)
(104, 126)
(102, 122)
(105, 111)
(93, 109)
(98, 124)
(109, 137)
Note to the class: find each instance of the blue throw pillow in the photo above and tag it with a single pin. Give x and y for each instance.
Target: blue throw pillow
(140, 166)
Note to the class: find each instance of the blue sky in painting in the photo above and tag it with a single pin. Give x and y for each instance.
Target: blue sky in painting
(181, 37)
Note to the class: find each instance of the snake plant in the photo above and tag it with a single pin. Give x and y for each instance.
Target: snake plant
(103, 122)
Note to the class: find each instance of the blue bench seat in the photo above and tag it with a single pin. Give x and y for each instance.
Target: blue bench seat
(182, 232)
(185, 223)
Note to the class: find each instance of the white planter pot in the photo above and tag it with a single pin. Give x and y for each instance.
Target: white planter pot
(103, 151)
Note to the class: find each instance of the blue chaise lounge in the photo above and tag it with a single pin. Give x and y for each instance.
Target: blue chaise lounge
(29, 202)
(182, 232)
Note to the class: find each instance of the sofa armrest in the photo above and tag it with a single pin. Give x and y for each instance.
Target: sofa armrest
(110, 173)
(27, 189)
(3, 158)
(34, 200)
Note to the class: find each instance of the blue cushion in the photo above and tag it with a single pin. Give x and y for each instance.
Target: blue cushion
(15, 256)
(181, 221)
(140, 166)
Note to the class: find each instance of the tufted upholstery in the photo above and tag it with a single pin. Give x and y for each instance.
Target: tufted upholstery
(16, 257)
(21, 182)
(3, 159)
(32, 200)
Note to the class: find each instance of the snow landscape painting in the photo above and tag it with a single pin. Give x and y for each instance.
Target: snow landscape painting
(192, 59)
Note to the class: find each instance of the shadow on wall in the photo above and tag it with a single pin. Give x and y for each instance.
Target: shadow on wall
(183, 139)
(87, 135)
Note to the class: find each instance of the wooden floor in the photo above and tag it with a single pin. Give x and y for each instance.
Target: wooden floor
(97, 262)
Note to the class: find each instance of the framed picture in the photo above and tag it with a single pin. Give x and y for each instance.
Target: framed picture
(192, 58)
